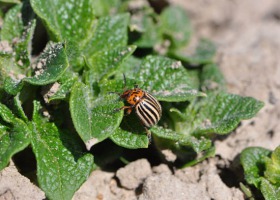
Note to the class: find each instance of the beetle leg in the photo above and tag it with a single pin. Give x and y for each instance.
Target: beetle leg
(127, 108)
(148, 134)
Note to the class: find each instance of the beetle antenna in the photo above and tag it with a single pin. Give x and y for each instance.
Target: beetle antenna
(124, 81)
(114, 93)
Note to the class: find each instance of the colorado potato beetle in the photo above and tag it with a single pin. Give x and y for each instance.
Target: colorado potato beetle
(147, 107)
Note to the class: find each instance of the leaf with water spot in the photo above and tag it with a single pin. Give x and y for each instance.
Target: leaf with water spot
(129, 139)
(183, 145)
(23, 47)
(94, 119)
(198, 145)
(9, 69)
(62, 165)
(252, 160)
(269, 191)
(110, 32)
(50, 67)
(66, 20)
(261, 169)
(10, 74)
(65, 83)
(166, 79)
(217, 113)
(12, 25)
(18, 29)
(104, 63)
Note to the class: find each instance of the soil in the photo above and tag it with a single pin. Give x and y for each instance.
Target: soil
(247, 34)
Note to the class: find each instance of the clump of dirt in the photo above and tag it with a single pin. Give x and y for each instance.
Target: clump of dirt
(138, 180)
(15, 186)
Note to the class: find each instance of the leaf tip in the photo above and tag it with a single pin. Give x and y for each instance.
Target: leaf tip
(203, 94)
(91, 142)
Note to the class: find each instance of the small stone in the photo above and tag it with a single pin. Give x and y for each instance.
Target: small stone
(165, 187)
(169, 155)
(162, 168)
(132, 175)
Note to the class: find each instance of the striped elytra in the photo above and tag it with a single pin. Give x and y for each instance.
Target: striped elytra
(147, 107)
(148, 110)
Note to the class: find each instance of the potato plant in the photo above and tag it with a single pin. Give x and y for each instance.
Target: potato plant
(62, 64)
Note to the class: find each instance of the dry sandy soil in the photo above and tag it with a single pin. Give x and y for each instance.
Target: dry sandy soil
(247, 34)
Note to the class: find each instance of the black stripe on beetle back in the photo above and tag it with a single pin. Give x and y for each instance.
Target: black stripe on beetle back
(153, 99)
(153, 110)
(142, 114)
(154, 102)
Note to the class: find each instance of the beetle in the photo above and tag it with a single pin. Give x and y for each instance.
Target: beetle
(146, 106)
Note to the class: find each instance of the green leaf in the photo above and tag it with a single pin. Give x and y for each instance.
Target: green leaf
(105, 7)
(115, 86)
(180, 144)
(144, 23)
(211, 79)
(253, 162)
(94, 118)
(65, 83)
(198, 145)
(6, 114)
(13, 139)
(74, 54)
(23, 47)
(51, 65)
(218, 113)
(18, 108)
(66, 20)
(129, 67)
(62, 166)
(166, 79)
(14, 136)
(131, 133)
(12, 25)
(10, 74)
(269, 191)
(12, 86)
(167, 133)
(272, 172)
(10, 1)
(9, 69)
(104, 63)
(130, 140)
(204, 53)
(18, 29)
(176, 26)
(110, 32)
